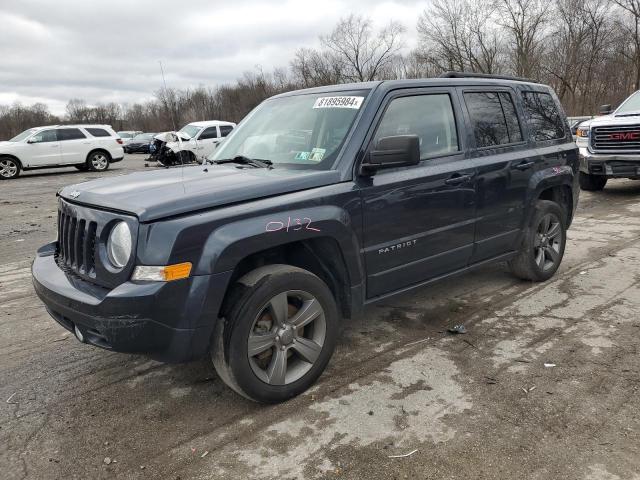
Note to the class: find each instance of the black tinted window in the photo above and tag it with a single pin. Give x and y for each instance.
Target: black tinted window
(494, 118)
(98, 132)
(70, 134)
(511, 117)
(543, 116)
(430, 117)
(210, 132)
(44, 136)
(225, 130)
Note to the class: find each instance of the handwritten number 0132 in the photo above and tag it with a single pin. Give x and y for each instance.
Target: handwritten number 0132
(294, 224)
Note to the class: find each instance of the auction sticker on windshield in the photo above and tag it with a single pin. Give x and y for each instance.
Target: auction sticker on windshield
(338, 102)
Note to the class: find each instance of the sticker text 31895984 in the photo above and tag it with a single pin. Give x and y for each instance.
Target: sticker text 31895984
(339, 102)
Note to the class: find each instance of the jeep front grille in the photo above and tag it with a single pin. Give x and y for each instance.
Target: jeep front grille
(76, 244)
(616, 139)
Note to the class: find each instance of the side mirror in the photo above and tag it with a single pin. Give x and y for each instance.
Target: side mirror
(605, 109)
(392, 152)
(31, 140)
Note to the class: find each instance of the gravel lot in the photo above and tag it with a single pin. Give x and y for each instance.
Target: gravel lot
(480, 405)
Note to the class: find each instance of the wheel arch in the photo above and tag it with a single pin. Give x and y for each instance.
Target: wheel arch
(95, 150)
(556, 184)
(13, 157)
(321, 256)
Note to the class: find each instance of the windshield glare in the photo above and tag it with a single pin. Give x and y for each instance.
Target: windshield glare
(23, 135)
(301, 131)
(190, 130)
(631, 104)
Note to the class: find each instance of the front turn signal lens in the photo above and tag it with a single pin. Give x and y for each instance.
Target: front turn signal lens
(582, 132)
(166, 273)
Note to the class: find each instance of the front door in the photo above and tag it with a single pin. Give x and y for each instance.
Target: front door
(419, 220)
(207, 142)
(42, 149)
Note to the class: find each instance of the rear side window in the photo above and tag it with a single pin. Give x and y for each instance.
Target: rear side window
(70, 134)
(494, 118)
(545, 122)
(210, 132)
(98, 132)
(430, 117)
(225, 130)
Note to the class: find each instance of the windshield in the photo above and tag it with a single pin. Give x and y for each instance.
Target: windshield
(190, 130)
(301, 131)
(630, 105)
(23, 135)
(125, 134)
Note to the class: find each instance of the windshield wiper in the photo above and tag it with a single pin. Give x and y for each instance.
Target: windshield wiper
(241, 159)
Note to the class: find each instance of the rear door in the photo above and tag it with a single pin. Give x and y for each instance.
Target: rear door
(42, 149)
(418, 220)
(207, 141)
(74, 145)
(505, 162)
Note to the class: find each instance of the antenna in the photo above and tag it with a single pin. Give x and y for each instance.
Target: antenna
(173, 120)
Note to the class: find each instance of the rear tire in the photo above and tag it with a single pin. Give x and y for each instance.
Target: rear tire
(98, 161)
(592, 183)
(543, 244)
(278, 334)
(9, 168)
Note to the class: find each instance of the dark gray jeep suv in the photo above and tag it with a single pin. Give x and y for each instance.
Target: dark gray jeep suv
(320, 202)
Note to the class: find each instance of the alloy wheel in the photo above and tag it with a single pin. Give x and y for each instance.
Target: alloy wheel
(287, 337)
(8, 168)
(548, 242)
(99, 161)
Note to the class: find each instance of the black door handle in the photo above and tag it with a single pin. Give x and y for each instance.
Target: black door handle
(524, 165)
(457, 179)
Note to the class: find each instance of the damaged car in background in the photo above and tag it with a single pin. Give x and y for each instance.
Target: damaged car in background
(192, 143)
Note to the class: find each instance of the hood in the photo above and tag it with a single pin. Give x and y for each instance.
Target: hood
(6, 144)
(171, 136)
(612, 121)
(174, 191)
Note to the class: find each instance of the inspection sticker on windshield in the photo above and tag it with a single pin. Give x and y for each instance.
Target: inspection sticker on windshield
(338, 102)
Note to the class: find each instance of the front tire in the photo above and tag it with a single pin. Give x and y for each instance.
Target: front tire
(278, 334)
(9, 168)
(543, 245)
(592, 183)
(98, 161)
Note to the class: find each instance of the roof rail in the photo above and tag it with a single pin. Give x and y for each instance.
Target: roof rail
(485, 75)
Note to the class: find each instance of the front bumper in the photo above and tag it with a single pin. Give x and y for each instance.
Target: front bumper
(610, 165)
(171, 322)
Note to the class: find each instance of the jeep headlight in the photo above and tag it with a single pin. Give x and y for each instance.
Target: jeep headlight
(119, 245)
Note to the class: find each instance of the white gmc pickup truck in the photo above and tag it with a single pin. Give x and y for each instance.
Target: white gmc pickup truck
(610, 145)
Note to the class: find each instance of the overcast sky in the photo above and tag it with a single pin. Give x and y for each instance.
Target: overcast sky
(51, 51)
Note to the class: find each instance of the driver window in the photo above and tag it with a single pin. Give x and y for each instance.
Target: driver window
(210, 132)
(430, 117)
(44, 136)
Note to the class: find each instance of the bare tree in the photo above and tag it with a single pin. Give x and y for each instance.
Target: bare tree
(460, 35)
(362, 53)
(524, 21)
(632, 27)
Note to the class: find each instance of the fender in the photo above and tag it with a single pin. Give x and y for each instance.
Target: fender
(541, 180)
(232, 242)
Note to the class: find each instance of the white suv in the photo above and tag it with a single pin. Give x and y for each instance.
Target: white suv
(86, 147)
(199, 138)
